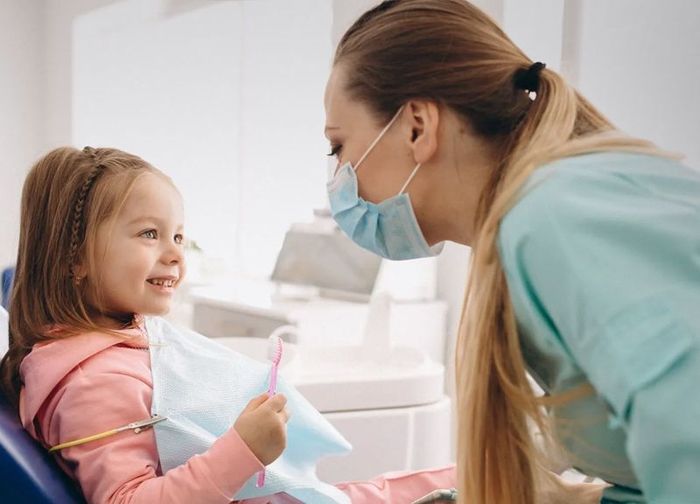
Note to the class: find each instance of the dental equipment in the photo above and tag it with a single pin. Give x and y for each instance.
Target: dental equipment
(137, 427)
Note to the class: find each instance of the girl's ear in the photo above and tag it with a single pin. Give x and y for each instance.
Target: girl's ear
(79, 272)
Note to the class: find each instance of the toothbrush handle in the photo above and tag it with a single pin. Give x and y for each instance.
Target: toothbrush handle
(261, 479)
(270, 391)
(273, 381)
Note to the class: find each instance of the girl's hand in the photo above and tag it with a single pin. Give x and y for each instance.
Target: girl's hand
(263, 426)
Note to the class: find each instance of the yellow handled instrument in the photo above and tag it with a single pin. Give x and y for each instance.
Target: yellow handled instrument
(137, 427)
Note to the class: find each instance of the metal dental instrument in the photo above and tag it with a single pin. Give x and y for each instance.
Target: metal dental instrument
(137, 427)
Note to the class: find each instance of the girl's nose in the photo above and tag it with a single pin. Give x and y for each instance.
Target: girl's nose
(173, 254)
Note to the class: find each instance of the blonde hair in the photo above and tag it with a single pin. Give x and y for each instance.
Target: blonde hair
(451, 52)
(67, 195)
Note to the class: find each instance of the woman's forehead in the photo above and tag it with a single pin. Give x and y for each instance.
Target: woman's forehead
(341, 108)
(334, 97)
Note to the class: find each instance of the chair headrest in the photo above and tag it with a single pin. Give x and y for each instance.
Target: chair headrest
(29, 474)
(4, 331)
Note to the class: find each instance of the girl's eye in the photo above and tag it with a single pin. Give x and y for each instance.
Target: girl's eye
(151, 234)
(335, 150)
(179, 239)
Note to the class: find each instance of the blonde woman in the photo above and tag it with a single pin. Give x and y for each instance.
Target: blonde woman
(586, 252)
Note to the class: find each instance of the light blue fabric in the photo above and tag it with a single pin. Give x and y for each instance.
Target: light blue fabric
(602, 260)
(389, 229)
(202, 387)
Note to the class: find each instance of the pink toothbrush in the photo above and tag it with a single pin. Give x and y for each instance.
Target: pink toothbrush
(274, 353)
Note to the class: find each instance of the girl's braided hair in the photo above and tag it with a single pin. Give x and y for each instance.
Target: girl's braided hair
(78, 223)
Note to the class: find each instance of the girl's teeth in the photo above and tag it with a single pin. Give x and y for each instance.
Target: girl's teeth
(165, 283)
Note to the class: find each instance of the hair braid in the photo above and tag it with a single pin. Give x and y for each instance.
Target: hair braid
(78, 211)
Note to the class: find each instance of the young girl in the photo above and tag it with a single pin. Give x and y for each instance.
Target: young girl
(101, 246)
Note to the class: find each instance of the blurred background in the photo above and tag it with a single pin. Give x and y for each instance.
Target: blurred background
(226, 96)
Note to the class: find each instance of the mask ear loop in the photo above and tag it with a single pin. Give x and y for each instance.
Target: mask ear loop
(376, 140)
(413, 174)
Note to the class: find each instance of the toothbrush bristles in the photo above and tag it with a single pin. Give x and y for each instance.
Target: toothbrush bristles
(274, 350)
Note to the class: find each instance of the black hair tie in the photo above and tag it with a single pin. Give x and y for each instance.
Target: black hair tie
(528, 79)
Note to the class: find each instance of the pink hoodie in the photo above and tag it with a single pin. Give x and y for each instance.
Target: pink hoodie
(94, 382)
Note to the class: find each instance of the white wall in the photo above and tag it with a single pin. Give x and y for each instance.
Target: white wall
(226, 98)
(58, 47)
(639, 62)
(536, 27)
(344, 15)
(22, 92)
(286, 60)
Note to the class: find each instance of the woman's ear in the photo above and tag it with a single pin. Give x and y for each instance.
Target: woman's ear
(424, 117)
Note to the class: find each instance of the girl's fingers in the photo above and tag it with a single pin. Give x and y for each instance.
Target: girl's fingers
(285, 414)
(255, 402)
(277, 402)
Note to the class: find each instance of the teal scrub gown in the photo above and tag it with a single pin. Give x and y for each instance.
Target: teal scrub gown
(601, 255)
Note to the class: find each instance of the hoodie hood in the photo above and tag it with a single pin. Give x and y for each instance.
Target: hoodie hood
(48, 363)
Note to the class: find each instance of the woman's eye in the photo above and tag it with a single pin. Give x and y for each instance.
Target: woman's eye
(151, 234)
(335, 150)
(179, 238)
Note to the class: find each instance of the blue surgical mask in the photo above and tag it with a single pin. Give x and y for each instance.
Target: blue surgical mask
(389, 229)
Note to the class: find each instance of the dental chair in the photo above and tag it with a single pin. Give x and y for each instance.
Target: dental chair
(27, 472)
(5, 284)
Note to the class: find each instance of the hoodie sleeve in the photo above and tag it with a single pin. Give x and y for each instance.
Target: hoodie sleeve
(124, 468)
(402, 486)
